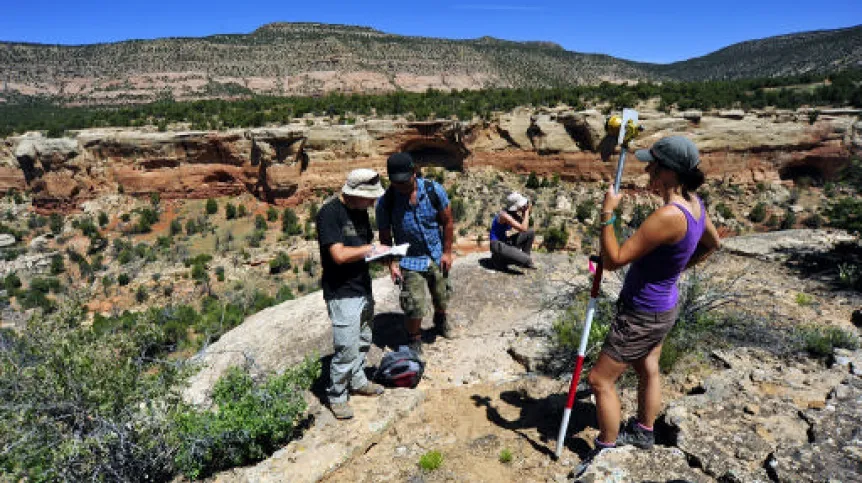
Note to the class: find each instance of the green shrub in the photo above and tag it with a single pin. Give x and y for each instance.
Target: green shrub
(141, 294)
(260, 223)
(459, 210)
(280, 263)
(821, 341)
(556, 238)
(11, 283)
(803, 299)
(211, 206)
(724, 211)
(814, 221)
(846, 213)
(271, 214)
(55, 223)
(219, 271)
(57, 265)
(567, 329)
(584, 211)
(284, 293)
(758, 213)
(125, 256)
(241, 211)
(229, 211)
(532, 181)
(639, 215)
(251, 421)
(290, 223)
(255, 238)
(123, 279)
(176, 227)
(79, 405)
(505, 456)
(789, 220)
(431, 460)
(849, 274)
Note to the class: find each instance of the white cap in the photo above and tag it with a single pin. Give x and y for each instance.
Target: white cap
(364, 183)
(516, 201)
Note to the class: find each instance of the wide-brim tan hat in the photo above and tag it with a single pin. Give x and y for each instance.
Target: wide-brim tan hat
(516, 201)
(363, 183)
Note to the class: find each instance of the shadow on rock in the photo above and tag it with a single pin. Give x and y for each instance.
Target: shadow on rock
(545, 415)
(389, 330)
(811, 262)
(488, 264)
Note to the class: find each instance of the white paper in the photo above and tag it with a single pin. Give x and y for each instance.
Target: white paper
(396, 251)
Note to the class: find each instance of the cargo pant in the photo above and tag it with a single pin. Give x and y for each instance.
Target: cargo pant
(515, 250)
(414, 303)
(351, 338)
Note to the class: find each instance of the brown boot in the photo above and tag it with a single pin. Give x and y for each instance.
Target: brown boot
(441, 323)
(369, 389)
(341, 410)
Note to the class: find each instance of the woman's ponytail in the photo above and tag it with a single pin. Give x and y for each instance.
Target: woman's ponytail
(691, 181)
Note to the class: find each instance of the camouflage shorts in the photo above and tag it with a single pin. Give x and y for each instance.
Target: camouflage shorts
(414, 302)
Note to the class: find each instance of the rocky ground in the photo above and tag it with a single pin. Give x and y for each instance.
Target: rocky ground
(748, 405)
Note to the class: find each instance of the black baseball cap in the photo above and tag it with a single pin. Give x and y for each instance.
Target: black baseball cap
(400, 167)
(677, 153)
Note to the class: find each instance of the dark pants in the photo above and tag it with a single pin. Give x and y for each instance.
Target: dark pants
(514, 250)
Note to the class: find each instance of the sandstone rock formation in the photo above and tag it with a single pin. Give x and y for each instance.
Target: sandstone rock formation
(284, 164)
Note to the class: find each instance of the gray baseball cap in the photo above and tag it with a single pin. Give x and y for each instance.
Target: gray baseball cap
(677, 153)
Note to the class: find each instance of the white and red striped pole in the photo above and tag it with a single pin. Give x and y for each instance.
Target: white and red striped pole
(624, 137)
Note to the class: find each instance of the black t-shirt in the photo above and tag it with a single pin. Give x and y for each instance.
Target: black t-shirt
(338, 224)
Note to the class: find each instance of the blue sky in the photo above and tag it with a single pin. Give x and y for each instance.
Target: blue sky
(648, 31)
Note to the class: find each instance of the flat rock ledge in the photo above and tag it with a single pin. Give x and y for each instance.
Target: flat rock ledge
(323, 449)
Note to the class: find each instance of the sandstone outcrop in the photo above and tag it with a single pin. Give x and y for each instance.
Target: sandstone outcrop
(283, 164)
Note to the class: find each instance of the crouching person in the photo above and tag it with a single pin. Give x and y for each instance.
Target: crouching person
(515, 248)
(344, 234)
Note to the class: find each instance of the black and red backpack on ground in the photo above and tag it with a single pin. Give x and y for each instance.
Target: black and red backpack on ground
(401, 368)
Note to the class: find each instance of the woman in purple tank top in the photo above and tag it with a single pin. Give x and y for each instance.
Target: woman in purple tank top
(673, 238)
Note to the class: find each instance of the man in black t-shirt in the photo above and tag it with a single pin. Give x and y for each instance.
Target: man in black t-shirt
(344, 234)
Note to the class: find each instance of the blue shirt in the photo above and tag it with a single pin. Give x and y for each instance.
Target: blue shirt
(498, 229)
(416, 225)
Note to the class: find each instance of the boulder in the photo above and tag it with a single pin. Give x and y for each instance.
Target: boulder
(631, 464)
(549, 136)
(513, 127)
(737, 114)
(587, 128)
(6, 240)
(692, 115)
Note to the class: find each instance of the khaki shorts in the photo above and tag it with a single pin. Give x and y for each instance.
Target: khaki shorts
(414, 302)
(635, 333)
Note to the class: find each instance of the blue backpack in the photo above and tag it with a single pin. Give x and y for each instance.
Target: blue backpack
(401, 368)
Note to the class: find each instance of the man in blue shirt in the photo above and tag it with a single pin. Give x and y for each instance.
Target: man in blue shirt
(413, 211)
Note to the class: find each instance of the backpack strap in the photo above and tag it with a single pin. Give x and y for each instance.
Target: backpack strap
(432, 195)
(389, 203)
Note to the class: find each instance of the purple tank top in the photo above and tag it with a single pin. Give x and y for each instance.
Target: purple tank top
(650, 284)
(498, 229)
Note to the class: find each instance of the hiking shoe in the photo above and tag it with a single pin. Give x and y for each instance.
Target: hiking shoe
(441, 323)
(341, 410)
(588, 459)
(633, 434)
(369, 389)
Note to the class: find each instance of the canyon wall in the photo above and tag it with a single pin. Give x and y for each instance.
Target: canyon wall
(284, 164)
